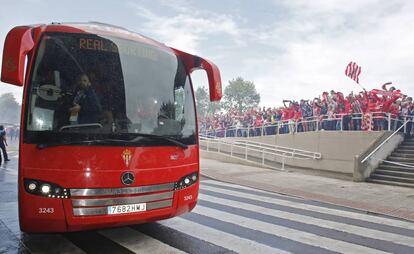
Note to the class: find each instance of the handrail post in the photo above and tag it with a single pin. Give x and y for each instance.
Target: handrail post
(277, 127)
(371, 122)
(342, 122)
(389, 121)
(296, 126)
(405, 124)
(262, 130)
(263, 159)
(248, 131)
(317, 124)
(225, 132)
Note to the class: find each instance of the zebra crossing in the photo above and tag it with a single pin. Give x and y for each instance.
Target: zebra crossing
(235, 219)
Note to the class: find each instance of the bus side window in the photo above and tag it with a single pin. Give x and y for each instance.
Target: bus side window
(179, 95)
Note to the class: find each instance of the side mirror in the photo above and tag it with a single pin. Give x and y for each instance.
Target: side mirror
(213, 73)
(17, 45)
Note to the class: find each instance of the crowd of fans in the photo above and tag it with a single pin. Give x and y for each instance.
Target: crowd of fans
(378, 109)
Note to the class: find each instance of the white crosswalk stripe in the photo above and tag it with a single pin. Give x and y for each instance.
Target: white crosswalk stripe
(218, 237)
(315, 221)
(303, 237)
(138, 242)
(353, 215)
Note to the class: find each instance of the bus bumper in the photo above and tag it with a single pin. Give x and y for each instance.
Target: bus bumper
(40, 214)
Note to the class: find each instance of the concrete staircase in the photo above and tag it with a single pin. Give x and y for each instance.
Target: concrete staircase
(394, 174)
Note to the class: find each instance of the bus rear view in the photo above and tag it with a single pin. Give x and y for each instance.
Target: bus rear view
(108, 131)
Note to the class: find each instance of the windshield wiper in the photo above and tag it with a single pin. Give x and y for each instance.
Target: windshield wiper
(171, 140)
(80, 142)
(85, 125)
(106, 141)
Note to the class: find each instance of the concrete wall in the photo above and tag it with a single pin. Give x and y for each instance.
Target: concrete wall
(338, 149)
(225, 158)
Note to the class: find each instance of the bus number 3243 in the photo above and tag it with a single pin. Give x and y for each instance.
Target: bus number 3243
(46, 210)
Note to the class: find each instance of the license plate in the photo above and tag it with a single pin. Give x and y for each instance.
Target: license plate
(133, 208)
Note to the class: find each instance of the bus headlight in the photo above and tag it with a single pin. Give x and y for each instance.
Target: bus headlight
(45, 189)
(186, 181)
(32, 186)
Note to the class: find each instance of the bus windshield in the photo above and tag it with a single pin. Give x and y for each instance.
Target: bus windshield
(85, 87)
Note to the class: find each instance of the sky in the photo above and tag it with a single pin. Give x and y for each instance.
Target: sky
(290, 49)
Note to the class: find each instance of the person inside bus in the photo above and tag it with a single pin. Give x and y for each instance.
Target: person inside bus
(86, 107)
(146, 114)
(3, 144)
(103, 85)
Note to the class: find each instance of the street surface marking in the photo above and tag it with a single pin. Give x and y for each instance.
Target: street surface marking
(376, 234)
(285, 232)
(138, 242)
(41, 243)
(223, 239)
(315, 208)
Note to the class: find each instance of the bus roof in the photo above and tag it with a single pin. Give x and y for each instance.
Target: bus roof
(102, 30)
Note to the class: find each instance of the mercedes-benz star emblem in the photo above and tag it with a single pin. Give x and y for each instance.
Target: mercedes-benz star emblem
(127, 178)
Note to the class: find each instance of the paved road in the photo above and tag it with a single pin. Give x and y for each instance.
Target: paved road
(228, 219)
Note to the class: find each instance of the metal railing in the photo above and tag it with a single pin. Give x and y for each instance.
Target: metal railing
(385, 141)
(264, 151)
(399, 164)
(341, 122)
(288, 151)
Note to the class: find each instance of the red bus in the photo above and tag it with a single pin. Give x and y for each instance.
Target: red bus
(108, 128)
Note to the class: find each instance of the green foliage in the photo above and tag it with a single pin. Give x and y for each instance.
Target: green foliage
(201, 101)
(9, 109)
(240, 94)
(168, 110)
(204, 105)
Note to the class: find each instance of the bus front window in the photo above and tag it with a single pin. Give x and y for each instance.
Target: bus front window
(90, 87)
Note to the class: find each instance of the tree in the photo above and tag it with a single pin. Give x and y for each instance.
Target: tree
(204, 105)
(10, 109)
(240, 94)
(201, 101)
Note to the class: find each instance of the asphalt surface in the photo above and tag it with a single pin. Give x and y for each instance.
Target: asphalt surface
(229, 218)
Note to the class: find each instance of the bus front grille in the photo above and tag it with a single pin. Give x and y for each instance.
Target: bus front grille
(104, 210)
(120, 191)
(87, 202)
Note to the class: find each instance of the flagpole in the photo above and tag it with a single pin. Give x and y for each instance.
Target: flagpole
(363, 88)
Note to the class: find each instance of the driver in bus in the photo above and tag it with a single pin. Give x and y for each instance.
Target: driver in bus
(147, 114)
(86, 107)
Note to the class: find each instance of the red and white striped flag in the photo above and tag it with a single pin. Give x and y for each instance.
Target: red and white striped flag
(353, 71)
